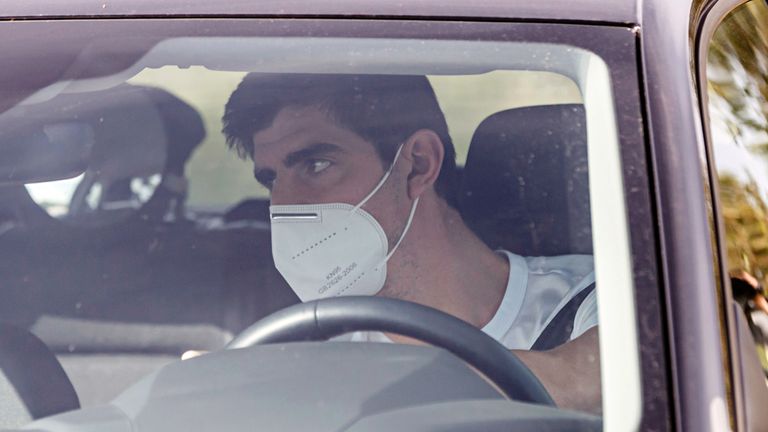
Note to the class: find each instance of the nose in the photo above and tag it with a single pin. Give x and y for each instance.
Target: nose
(280, 195)
(285, 192)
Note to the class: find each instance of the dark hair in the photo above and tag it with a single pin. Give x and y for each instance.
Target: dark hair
(383, 109)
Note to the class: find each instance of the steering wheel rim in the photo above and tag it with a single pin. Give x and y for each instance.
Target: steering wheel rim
(323, 319)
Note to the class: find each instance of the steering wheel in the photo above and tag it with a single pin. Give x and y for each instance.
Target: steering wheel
(323, 319)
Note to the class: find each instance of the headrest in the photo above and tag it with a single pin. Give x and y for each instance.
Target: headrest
(525, 186)
(140, 130)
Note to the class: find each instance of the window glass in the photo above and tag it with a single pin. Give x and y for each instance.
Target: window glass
(216, 182)
(218, 179)
(465, 100)
(737, 88)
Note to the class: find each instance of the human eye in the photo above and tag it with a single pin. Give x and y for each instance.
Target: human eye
(317, 166)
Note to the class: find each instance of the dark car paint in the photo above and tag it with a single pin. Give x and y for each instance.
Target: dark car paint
(620, 11)
(665, 179)
(678, 154)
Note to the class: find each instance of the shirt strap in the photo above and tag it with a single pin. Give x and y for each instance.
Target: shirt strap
(559, 329)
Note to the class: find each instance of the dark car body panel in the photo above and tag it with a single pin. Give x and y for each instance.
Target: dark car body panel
(679, 160)
(620, 11)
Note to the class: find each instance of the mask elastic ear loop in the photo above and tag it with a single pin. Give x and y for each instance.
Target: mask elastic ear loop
(381, 182)
(405, 230)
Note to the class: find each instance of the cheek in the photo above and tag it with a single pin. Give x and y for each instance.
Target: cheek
(334, 186)
(390, 209)
(347, 184)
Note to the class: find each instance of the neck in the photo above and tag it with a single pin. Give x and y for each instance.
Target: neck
(442, 264)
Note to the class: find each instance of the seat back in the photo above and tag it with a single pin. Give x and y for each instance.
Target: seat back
(525, 186)
(32, 382)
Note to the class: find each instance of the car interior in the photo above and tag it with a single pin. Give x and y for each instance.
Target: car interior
(176, 284)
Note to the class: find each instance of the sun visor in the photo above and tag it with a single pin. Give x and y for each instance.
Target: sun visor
(330, 55)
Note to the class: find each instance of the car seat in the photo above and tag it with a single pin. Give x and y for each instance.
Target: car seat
(117, 292)
(32, 382)
(140, 132)
(525, 186)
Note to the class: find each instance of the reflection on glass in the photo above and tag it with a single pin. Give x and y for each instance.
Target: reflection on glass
(54, 196)
(737, 72)
(72, 198)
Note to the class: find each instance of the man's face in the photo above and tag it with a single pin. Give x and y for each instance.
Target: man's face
(304, 157)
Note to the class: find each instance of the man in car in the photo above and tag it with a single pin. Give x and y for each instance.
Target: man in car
(363, 181)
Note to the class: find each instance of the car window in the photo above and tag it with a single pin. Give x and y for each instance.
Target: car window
(216, 182)
(228, 177)
(737, 65)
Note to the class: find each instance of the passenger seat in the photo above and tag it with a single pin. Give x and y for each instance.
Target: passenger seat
(525, 186)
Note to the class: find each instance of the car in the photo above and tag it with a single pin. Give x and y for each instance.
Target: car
(149, 282)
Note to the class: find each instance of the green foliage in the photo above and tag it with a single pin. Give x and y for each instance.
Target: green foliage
(737, 71)
(745, 215)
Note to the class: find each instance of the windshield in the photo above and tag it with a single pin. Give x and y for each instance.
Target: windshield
(215, 178)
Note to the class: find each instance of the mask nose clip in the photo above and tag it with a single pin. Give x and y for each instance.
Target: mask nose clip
(287, 217)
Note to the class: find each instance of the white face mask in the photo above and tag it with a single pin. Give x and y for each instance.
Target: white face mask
(328, 250)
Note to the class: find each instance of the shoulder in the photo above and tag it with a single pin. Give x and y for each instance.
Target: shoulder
(580, 265)
(543, 286)
(569, 269)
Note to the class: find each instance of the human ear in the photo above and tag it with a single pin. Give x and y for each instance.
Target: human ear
(424, 149)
